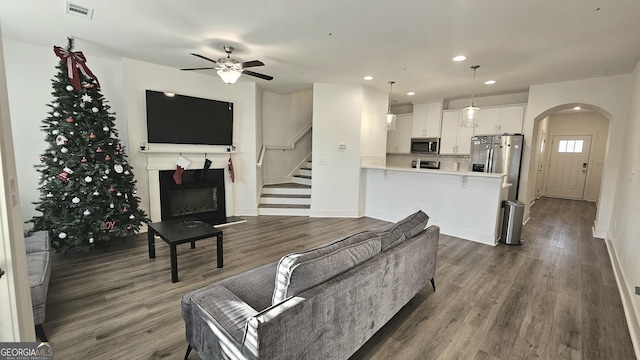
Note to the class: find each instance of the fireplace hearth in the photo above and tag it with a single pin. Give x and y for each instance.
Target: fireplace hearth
(200, 196)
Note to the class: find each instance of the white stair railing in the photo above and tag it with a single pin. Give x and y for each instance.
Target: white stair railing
(292, 146)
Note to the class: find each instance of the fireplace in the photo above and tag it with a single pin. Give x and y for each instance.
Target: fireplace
(201, 195)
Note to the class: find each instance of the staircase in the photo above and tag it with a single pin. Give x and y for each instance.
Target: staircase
(291, 199)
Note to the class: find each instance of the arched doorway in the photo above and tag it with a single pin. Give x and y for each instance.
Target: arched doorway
(569, 149)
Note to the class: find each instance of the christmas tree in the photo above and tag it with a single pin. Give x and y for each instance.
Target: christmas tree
(87, 188)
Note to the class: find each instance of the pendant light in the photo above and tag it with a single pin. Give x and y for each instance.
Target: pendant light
(390, 119)
(471, 112)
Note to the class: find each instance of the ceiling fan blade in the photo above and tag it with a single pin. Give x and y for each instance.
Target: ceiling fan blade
(200, 68)
(258, 75)
(252, 63)
(204, 57)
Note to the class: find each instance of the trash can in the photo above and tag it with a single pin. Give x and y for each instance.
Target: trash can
(512, 222)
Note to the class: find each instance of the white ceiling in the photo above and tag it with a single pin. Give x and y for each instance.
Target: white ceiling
(517, 43)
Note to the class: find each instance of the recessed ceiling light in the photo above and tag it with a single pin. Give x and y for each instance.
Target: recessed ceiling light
(460, 58)
(169, 94)
(489, 82)
(411, 93)
(576, 108)
(368, 77)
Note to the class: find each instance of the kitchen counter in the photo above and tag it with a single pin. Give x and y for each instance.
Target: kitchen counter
(464, 204)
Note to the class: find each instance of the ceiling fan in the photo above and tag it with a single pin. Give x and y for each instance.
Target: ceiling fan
(230, 69)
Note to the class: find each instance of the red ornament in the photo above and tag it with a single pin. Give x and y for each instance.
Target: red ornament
(107, 157)
(92, 136)
(112, 189)
(63, 176)
(87, 86)
(84, 159)
(69, 119)
(42, 158)
(99, 150)
(125, 210)
(129, 227)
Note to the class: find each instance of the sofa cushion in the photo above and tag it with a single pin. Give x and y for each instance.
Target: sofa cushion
(391, 236)
(301, 271)
(413, 224)
(39, 270)
(38, 241)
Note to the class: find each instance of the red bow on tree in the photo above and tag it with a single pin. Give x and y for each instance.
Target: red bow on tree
(74, 61)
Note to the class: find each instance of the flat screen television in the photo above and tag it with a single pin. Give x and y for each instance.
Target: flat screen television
(181, 119)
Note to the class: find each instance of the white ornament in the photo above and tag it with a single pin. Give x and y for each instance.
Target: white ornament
(106, 171)
(111, 205)
(39, 177)
(56, 114)
(105, 177)
(91, 240)
(75, 200)
(132, 216)
(126, 172)
(66, 169)
(118, 168)
(86, 212)
(60, 162)
(69, 88)
(81, 105)
(62, 235)
(61, 139)
(105, 128)
(86, 98)
(55, 159)
(95, 193)
(55, 105)
(64, 150)
(95, 109)
(119, 193)
(54, 122)
(72, 132)
(49, 195)
(55, 132)
(88, 179)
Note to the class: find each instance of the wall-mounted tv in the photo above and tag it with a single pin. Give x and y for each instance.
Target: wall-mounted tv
(180, 119)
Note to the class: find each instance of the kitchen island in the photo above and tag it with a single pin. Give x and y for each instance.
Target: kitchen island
(464, 204)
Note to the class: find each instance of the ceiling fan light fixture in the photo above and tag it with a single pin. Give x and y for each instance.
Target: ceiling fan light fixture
(471, 112)
(228, 75)
(390, 119)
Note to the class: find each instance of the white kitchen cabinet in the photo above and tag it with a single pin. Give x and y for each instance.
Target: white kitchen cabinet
(500, 120)
(454, 139)
(426, 119)
(399, 141)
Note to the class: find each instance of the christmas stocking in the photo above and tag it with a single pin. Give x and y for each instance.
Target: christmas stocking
(205, 167)
(181, 165)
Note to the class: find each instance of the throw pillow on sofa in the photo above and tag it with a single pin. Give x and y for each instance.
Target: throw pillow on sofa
(301, 271)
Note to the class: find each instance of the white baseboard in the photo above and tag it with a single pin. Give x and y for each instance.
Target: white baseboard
(629, 312)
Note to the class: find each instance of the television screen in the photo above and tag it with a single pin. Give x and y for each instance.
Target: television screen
(181, 119)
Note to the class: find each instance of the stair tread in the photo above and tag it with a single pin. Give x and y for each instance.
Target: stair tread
(305, 168)
(288, 185)
(303, 176)
(284, 206)
(297, 196)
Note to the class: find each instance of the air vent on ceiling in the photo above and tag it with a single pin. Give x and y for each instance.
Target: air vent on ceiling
(78, 10)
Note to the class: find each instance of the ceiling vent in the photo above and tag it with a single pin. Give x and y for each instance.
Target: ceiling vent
(78, 10)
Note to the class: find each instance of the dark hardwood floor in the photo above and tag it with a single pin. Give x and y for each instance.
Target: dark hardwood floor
(555, 297)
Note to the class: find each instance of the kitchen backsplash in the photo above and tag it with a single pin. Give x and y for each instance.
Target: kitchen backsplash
(446, 161)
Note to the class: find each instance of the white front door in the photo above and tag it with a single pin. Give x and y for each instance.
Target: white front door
(568, 166)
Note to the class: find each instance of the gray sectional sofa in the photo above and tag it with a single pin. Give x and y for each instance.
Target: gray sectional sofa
(323, 303)
(39, 267)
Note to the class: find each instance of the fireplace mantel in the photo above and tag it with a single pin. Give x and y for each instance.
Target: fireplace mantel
(166, 160)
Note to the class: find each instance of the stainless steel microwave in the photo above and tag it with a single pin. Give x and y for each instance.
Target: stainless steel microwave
(425, 145)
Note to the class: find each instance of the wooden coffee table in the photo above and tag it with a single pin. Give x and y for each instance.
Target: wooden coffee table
(180, 231)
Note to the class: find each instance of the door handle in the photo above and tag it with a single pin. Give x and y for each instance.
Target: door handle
(584, 167)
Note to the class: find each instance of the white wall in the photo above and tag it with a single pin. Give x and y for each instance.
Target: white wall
(623, 233)
(584, 123)
(16, 314)
(337, 115)
(609, 96)
(373, 135)
(29, 72)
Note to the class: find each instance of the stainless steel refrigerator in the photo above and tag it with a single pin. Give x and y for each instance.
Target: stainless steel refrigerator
(498, 154)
